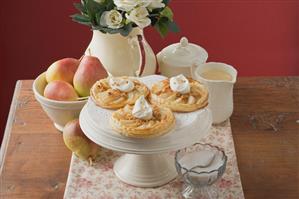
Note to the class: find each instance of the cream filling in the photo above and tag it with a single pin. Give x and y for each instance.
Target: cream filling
(142, 109)
(124, 85)
(180, 84)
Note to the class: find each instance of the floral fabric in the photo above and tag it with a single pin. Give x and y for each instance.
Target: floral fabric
(98, 181)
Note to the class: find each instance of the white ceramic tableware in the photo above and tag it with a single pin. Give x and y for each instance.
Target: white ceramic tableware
(220, 91)
(147, 162)
(60, 112)
(178, 58)
(123, 56)
(199, 167)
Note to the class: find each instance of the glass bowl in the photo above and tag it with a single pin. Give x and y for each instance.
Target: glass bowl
(199, 167)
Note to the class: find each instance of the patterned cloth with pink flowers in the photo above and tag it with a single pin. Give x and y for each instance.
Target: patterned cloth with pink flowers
(98, 181)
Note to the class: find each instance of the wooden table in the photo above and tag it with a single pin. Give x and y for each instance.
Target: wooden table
(34, 161)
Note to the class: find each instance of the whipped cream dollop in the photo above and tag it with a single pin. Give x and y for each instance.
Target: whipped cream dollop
(180, 84)
(142, 109)
(121, 84)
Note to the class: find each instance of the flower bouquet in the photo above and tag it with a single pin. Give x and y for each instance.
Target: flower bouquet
(121, 16)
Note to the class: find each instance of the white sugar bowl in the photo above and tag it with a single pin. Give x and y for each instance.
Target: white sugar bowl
(179, 58)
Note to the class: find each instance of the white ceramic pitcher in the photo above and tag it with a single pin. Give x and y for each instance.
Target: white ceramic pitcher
(123, 56)
(220, 91)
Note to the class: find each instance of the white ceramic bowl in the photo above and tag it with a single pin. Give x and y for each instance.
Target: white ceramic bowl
(60, 112)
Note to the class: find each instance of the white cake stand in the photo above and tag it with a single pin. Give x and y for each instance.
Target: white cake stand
(146, 162)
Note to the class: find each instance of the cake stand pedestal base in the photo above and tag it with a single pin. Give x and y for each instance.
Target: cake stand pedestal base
(145, 170)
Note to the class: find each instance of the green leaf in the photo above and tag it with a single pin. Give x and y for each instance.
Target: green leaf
(106, 29)
(154, 20)
(94, 8)
(112, 31)
(80, 7)
(98, 28)
(162, 26)
(173, 27)
(167, 12)
(125, 31)
(166, 2)
(109, 5)
(81, 19)
(98, 18)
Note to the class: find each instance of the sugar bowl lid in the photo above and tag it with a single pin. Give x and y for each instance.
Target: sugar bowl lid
(184, 54)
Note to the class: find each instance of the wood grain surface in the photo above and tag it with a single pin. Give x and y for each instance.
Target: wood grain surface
(265, 124)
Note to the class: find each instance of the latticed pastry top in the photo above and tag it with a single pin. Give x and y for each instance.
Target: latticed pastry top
(106, 97)
(197, 98)
(125, 123)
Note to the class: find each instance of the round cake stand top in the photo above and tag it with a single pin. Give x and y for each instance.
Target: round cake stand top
(190, 127)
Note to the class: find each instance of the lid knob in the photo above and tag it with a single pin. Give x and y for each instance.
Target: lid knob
(184, 42)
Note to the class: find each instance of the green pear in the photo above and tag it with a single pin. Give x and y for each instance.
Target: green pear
(78, 143)
(88, 72)
(63, 69)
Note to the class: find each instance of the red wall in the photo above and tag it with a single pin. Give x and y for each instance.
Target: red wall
(257, 37)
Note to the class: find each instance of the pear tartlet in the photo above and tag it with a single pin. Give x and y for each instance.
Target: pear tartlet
(114, 93)
(184, 95)
(143, 121)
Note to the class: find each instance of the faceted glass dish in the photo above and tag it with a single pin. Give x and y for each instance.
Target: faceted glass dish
(199, 167)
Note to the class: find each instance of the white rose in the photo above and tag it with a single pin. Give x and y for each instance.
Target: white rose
(125, 5)
(155, 4)
(139, 17)
(143, 3)
(111, 19)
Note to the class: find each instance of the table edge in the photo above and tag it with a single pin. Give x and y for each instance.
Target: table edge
(9, 123)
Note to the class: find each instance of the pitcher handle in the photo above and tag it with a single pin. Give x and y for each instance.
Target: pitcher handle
(137, 42)
(143, 56)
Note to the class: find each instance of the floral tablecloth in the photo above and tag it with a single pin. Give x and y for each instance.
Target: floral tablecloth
(99, 182)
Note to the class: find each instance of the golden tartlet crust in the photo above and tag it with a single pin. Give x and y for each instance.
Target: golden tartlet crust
(106, 97)
(126, 124)
(197, 98)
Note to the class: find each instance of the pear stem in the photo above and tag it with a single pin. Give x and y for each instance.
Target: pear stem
(89, 51)
(90, 161)
(81, 58)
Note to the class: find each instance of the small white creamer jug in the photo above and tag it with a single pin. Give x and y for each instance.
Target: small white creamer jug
(219, 79)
